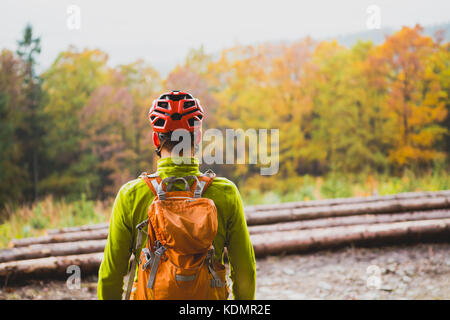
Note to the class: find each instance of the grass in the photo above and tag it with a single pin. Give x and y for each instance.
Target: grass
(31, 221)
(341, 186)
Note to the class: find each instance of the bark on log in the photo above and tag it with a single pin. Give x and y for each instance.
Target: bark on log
(55, 267)
(350, 220)
(78, 229)
(314, 239)
(63, 237)
(52, 250)
(392, 206)
(340, 201)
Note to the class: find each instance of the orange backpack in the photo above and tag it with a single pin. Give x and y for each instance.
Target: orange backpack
(177, 261)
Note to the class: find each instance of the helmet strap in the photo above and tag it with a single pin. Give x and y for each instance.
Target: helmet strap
(159, 139)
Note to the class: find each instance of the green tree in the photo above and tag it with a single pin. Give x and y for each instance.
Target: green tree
(13, 178)
(31, 130)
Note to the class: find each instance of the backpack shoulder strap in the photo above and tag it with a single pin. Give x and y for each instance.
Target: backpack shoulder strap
(204, 181)
(152, 180)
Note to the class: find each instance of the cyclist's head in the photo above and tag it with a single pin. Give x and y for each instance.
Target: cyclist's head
(172, 111)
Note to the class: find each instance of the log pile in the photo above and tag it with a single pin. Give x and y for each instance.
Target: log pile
(274, 229)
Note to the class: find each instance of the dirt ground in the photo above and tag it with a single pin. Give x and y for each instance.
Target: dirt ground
(403, 272)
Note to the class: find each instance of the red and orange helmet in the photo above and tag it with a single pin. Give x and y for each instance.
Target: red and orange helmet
(174, 110)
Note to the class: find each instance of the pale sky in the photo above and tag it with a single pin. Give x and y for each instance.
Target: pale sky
(162, 32)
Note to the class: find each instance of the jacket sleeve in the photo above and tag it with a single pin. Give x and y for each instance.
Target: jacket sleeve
(117, 252)
(240, 251)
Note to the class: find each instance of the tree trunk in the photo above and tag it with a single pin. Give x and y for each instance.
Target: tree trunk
(340, 201)
(35, 173)
(52, 250)
(296, 214)
(80, 228)
(350, 220)
(377, 234)
(54, 267)
(63, 237)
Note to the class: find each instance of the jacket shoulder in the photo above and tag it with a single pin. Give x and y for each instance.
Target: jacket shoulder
(223, 186)
(132, 187)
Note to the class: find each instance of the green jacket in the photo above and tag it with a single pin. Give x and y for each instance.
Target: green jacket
(130, 208)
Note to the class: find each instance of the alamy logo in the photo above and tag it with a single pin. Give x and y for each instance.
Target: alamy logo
(74, 280)
(374, 19)
(374, 277)
(230, 146)
(73, 21)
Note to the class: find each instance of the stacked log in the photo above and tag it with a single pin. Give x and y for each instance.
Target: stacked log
(339, 201)
(35, 251)
(350, 220)
(325, 238)
(80, 228)
(340, 210)
(62, 237)
(274, 229)
(53, 267)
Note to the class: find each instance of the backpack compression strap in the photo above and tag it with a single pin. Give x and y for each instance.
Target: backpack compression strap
(134, 262)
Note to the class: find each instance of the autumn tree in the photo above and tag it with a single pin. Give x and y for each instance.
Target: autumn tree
(193, 76)
(439, 65)
(262, 87)
(347, 124)
(117, 132)
(414, 100)
(69, 83)
(81, 126)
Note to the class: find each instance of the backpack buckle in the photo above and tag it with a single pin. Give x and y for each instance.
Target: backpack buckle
(159, 250)
(142, 224)
(148, 258)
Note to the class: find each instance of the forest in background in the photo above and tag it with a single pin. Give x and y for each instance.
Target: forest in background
(353, 120)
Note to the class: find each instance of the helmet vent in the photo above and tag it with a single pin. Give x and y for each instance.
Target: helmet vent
(188, 104)
(159, 111)
(177, 97)
(163, 104)
(160, 123)
(176, 116)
